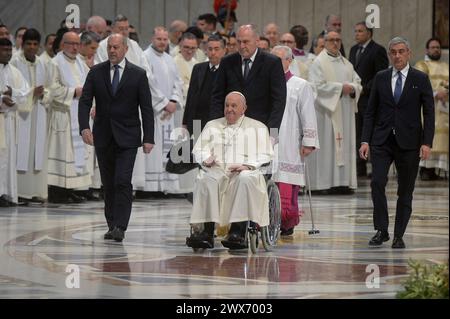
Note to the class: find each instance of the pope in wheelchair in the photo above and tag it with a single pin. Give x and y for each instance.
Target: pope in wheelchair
(230, 187)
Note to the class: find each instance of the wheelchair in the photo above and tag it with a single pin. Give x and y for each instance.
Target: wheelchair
(269, 234)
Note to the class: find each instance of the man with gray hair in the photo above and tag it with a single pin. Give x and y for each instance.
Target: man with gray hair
(88, 47)
(298, 138)
(393, 132)
(97, 25)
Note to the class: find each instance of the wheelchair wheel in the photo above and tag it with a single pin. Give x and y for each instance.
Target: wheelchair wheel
(253, 239)
(271, 233)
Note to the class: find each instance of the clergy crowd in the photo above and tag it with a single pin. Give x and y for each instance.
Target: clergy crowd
(43, 156)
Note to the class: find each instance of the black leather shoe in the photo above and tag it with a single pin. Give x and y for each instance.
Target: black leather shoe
(118, 234)
(380, 237)
(108, 234)
(234, 241)
(398, 242)
(200, 240)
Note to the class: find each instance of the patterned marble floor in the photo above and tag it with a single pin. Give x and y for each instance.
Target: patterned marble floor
(44, 248)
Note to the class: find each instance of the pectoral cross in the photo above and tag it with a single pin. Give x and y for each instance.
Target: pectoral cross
(339, 139)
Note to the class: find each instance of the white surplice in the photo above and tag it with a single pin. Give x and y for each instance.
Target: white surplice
(11, 77)
(298, 127)
(170, 84)
(32, 153)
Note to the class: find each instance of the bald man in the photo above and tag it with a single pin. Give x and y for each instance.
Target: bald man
(121, 90)
(230, 188)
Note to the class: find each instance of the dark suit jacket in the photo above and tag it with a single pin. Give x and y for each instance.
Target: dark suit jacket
(117, 116)
(383, 114)
(372, 60)
(195, 105)
(264, 89)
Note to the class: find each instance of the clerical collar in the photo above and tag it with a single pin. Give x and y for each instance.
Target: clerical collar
(288, 75)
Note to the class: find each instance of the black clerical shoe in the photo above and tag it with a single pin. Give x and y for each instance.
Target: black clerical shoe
(200, 240)
(398, 242)
(118, 234)
(108, 234)
(73, 198)
(234, 241)
(380, 237)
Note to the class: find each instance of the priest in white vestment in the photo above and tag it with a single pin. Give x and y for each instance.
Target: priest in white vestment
(437, 71)
(297, 139)
(230, 188)
(13, 92)
(333, 168)
(67, 154)
(32, 154)
(185, 60)
(170, 84)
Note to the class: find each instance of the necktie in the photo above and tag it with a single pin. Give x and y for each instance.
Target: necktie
(398, 87)
(358, 53)
(246, 68)
(115, 81)
(213, 69)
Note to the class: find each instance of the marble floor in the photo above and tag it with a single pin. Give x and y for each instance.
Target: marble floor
(59, 252)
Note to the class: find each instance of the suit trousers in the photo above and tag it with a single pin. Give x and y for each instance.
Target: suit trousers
(407, 165)
(116, 170)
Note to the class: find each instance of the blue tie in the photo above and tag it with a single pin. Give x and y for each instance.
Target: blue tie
(115, 81)
(398, 87)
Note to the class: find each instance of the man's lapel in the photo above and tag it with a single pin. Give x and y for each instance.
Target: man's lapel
(107, 76)
(257, 64)
(408, 84)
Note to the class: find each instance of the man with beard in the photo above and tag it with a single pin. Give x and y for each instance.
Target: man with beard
(437, 71)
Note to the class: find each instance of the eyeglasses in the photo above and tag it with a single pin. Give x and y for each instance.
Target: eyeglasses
(334, 40)
(287, 42)
(189, 48)
(72, 43)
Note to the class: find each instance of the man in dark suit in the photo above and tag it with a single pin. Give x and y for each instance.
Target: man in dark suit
(260, 77)
(368, 58)
(256, 74)
(198, 101)
(399, 97)
(120, 88)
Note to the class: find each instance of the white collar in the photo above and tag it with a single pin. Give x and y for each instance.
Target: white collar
(252, 58)
(121, 64)
(404, 71)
